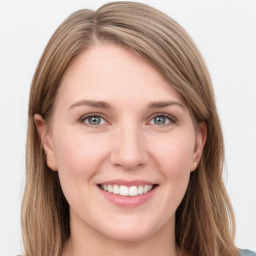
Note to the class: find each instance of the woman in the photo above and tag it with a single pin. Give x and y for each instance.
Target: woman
(124, 145)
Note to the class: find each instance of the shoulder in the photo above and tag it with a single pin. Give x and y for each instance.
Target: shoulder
(247, 253)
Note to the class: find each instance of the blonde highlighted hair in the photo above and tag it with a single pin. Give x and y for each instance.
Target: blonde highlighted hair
(204, 220)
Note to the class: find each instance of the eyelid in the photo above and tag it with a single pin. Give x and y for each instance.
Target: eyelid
(82, 119)
(170, 117)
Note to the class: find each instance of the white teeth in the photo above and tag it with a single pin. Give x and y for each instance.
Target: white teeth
(123, 191)
(133, 191)
(110, 188)
(140, 190)
(127, 191)
(145, 189)
(115, 190)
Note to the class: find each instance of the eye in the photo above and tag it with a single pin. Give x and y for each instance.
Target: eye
(162, 119)
(93, 120)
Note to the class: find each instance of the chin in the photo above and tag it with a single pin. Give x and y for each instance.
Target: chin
(130, 235)
(129, 229)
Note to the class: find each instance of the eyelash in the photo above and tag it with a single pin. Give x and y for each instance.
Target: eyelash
(82, 120)
(172, 119)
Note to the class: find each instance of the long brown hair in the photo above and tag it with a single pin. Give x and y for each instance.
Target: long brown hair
(204, 220)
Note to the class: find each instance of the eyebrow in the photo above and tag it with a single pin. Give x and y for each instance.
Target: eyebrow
(92, 103)
(162, 104)
(105, 105)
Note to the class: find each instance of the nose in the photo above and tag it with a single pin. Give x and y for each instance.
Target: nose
(129, 149)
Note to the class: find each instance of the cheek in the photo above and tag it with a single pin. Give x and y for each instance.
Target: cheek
(175, 153)
(174, 156)
(79, 158)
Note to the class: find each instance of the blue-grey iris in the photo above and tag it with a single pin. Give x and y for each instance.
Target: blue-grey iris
(160, 120)
(94, 120)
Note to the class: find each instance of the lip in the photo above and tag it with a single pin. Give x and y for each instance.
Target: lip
(127, 183)
(128, 201)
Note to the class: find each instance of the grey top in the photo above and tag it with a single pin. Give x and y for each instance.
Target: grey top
(242, 253)
(247, 253)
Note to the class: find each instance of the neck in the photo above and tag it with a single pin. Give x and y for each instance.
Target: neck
(85, 241)
(115, 249)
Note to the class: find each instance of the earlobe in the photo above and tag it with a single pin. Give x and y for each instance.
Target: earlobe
(46, 141)
(201, 136)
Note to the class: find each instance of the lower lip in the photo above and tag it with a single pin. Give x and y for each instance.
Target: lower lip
(128, 201)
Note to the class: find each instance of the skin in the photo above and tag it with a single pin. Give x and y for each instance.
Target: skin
(128, 143)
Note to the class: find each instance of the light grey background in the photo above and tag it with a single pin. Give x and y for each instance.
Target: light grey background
(225, 32)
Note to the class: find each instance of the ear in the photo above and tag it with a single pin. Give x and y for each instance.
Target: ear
(46, 141)
(201, 135)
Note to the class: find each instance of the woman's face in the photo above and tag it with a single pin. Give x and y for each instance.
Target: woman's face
(119, 126)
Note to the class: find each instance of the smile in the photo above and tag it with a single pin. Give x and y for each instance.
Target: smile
(123, 190)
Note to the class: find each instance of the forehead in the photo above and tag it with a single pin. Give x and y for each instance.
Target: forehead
(111, 72)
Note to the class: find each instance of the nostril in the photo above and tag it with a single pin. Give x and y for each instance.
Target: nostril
(129, 154)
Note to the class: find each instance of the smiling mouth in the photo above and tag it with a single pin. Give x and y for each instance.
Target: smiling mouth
(123, 190)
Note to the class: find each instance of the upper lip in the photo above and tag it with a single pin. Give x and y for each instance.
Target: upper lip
(126, 182)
